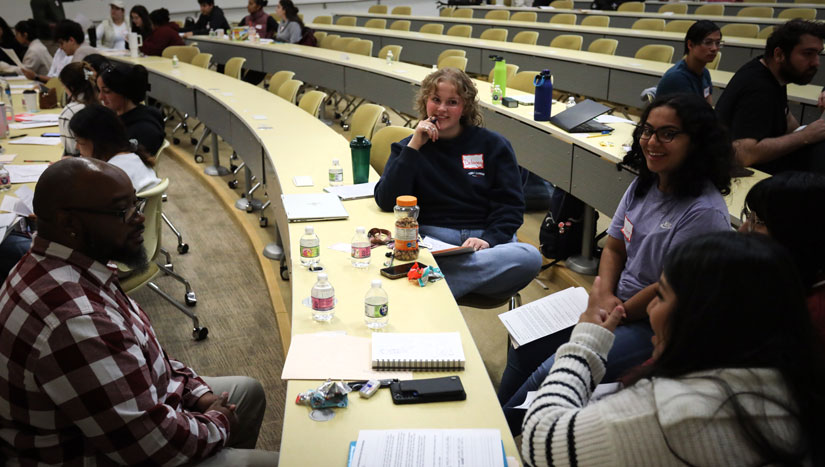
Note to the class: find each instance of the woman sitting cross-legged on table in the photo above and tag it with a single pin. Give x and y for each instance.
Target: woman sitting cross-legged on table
(684, 159)
(736, 377)
(468, 186)
(101, 135)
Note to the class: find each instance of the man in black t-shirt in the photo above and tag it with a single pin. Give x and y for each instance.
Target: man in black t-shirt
(754, 105)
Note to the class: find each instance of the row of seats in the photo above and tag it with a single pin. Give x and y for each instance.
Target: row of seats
(674, 8)
(355, 45)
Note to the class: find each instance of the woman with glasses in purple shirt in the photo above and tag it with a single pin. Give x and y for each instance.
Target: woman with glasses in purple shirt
(684, 159)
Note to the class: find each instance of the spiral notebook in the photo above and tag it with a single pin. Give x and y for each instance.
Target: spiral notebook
(417, 351)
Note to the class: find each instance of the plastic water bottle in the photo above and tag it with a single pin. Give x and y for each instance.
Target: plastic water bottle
(310, 247)
(9, 102)
(571, 102)
(4, 125)
(336, 174)
(389, 57)
(360, 252)
(5, 180)
(376, 306)
(175, 61)
(323, 299)
(497, 94)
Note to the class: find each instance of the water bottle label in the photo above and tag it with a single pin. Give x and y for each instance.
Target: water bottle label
(361, 251)
(336, 177)
(323, 304)
(376, 311)
(310, 251)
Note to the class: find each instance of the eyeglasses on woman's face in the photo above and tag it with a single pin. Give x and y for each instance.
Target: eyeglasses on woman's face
(664, 134)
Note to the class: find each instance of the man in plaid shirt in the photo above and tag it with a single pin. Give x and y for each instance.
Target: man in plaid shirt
(83, 379)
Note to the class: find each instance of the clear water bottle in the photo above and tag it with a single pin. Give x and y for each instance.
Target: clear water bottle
(310, 247)
(389, 57)
(5, 180)
(4, 124)
(571, 102)
(376, 306)
(175, 61)
(360, 252)
(336, 174)
(497, 94)
(323, 299)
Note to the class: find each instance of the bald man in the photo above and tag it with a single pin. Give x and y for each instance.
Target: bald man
(85, 379)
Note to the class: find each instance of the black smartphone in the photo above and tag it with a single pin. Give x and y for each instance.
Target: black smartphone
(419, 391)
(400, 270)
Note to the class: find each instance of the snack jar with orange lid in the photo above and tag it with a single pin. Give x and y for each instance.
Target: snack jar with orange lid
(406, 228)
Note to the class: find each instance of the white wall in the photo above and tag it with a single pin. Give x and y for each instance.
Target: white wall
(96, 10)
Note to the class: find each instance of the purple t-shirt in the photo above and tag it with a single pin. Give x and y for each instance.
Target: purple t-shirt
(653, 224)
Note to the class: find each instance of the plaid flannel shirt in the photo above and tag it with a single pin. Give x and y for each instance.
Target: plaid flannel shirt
(83, 379)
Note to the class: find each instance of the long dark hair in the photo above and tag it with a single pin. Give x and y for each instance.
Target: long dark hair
(291, 12)
(108, 134)
(740, 304)
(792, 206)
(146, 28)
(709, 155)
(27, 28)
(9, 42)
(78, 78)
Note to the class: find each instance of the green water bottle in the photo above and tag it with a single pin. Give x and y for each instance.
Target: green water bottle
(500, 74)
(360, 147)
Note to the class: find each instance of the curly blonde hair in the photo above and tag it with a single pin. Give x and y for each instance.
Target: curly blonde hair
(464, 87)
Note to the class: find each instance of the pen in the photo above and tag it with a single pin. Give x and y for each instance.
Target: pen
(35, 160)
(17, 136)
(600, 134)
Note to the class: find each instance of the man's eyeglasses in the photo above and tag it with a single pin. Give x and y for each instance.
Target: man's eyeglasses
(709, 42)
(751, 218)
(125, 215)
(663, 134)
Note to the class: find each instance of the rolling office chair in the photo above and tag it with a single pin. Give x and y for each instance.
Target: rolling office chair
(279, 78)
(289, 90)
(740, 30)
(381, 142)
(453, 61)
(494, 34)
(679, 25)
(523, 81)
(603, 46)
(395, 49)
(132, 280)
(311, 102)
(567, 41)
(526, 37)
(183, 247)
(460, 30)
(365, 119)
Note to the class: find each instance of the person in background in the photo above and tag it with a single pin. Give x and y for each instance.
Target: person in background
(264, 24)
(754, 105)
(164, 33)
(101, 135)
(36, 61)
(122, 88)
(468, 186)
(70, 38)
(290, 27)
(46, 14)
(98, 63)
(736, 376)
(684, 159)
(78, 80)
(8, 41)
(113, 31)
(211, 18)
(141, 23)
(790, 208)
(88, 381)
(703, 41)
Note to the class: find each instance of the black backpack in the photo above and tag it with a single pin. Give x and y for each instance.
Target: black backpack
(308, 37)
(561, 231)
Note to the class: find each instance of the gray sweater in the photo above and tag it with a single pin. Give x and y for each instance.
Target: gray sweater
(288, 31)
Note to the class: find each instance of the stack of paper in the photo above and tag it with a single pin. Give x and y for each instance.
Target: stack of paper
(345, 192)
(545, 316)
(321, 356)
(428, 448)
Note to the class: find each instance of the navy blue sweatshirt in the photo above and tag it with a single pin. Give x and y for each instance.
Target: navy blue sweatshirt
(469, 182)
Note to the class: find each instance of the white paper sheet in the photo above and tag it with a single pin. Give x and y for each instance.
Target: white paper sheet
(347, 192)
(45, 118)
(6, 158)
(15, 206)
(545, 316)
(302, 180)
(37, 140)
(429, 448)
(527, 99)
(6, 219)
(27, 125)
(319, 356)
(13, 56)
(26, 173)
(613, 119)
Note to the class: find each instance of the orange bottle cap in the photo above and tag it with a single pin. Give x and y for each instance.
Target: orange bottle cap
(406, 200)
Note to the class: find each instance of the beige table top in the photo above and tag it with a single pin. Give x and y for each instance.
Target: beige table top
(816, 6)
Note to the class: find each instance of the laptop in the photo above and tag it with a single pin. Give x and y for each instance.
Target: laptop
(579, 118)
(308, 207)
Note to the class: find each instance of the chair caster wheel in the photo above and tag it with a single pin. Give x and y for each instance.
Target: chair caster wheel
(198, 158)
(194, 141)
(205, 149)
(233, 167)
(345, 126)
(263, 221)
(337, 115)
(233, 184)
(176, 141)
(190, 299)
(183, 248)
(249, 207)
(200, 334)
(284, 273)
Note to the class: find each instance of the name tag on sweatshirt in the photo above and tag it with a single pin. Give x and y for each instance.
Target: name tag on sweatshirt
(473, 161)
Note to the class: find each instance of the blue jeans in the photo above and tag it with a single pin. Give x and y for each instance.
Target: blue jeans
(631, 348)
(499, 272)
(12, 249)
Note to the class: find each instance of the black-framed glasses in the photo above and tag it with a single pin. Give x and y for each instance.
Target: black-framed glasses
(709, 42)
(664, 134)
(751, 218)
(125, 215)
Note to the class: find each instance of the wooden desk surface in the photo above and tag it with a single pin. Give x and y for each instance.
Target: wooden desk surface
(653, 5)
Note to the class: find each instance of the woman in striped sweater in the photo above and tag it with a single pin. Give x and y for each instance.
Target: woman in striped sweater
(736, 376)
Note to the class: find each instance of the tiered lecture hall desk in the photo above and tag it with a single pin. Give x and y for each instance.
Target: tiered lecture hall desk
(736, 52)
(731, 8)
(619, 80)
(625, 19)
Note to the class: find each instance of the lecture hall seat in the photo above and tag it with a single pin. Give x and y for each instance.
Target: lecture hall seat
(528, 16)
(460, 30)
(402, 25)
(432, 28)
(279, 78)
(600, 21)
(494, 34)
(563, 18)
(740, 30)
(526, 37)
(567, 41)
(603, 46)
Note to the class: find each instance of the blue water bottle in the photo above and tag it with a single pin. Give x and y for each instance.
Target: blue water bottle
(544, 96)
